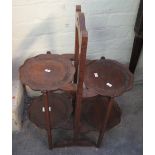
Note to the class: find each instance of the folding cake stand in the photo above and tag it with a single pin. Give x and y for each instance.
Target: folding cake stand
(77, 94)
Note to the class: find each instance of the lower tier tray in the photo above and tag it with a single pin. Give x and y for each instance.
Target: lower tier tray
(92, 112)
(61, 109)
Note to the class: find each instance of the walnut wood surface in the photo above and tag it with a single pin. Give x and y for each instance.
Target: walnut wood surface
(79, 113)
(32, 72)
(109, 71)
(61, 109)
(92, 115)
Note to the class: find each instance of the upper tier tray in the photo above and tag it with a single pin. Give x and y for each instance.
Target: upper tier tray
(107, 77)
(46, 72)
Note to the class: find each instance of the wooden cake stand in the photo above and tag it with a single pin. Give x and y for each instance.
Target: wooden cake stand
(87, 88)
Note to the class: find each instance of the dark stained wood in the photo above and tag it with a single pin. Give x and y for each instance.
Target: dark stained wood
(97, 113)
(94, 110)
(68, 56)
(138, 40)
(80, 63)
(92, 115)
(48, 119)
(60, 71)
(104, 125)
(32, 73)
(61, 109)
(76, 55)
(139, 21)
(109, 71)
(136, 51)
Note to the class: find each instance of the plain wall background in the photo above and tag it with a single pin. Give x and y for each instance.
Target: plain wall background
(42, 25)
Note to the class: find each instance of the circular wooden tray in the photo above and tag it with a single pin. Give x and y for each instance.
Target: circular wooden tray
(61, 109)
(107, 77)
(94, 109)
(46, 72)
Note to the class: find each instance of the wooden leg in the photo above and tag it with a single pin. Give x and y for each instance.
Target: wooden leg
(77, 117)
(103, 127)
(47, 119)
(136, 50)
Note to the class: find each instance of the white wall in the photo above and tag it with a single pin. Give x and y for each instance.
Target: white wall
(41, 25)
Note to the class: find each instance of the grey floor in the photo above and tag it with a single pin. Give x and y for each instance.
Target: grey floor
(124, 139)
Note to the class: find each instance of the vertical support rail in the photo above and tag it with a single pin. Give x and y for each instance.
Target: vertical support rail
(82, 66)
(47, 119)
(80, 56)
(104, 125)
(76, 55)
